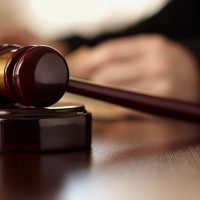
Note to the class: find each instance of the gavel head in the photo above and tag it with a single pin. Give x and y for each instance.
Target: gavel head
(33, 75)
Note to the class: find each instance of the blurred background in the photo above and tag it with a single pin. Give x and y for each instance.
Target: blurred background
(51, 19)
(46, 21)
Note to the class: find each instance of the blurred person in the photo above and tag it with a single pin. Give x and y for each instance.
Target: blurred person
(159, 56)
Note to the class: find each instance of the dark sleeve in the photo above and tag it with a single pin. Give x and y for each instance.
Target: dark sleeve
(178, 20)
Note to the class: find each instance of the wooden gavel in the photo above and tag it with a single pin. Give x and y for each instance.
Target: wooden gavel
(38, 76)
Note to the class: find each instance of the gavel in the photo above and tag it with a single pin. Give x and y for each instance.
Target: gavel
(38, 76)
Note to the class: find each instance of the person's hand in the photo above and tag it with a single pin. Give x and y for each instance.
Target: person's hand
(150, 64)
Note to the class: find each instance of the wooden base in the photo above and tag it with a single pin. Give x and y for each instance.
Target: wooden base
(51, 129)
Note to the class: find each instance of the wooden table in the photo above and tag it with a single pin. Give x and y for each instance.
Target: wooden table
(129, 159)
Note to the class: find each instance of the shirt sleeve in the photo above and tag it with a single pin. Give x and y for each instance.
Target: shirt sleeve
(178, 20)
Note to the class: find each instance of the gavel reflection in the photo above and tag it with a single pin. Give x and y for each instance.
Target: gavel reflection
(38, 76)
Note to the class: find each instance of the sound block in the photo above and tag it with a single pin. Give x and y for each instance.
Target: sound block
(51, 129)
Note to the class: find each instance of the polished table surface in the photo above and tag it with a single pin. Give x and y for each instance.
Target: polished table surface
(132, 158)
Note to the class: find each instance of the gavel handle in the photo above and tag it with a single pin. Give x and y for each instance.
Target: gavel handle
(145, 103)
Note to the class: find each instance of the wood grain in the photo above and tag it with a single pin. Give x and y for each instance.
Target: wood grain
(129, 159)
